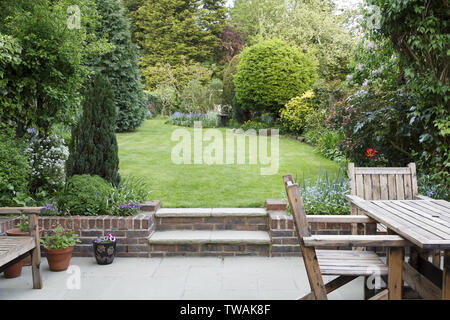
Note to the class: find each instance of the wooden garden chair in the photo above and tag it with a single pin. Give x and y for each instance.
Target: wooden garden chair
(384, 183)
(14, 249)
(346, 264)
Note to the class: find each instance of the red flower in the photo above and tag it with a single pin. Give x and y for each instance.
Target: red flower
(370, 153)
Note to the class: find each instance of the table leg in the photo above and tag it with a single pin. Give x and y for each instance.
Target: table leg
(446, 276)
(396, 256)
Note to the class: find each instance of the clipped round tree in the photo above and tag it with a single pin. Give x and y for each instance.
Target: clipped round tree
(270, 73)
(93, 147)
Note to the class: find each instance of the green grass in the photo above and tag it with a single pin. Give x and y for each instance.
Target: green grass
(147, 153)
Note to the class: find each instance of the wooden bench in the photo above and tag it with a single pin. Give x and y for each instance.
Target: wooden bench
(14, 249)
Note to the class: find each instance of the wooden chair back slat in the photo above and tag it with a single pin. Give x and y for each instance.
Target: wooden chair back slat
(383, 183)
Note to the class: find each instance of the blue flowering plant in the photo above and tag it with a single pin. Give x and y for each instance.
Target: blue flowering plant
(109, 238)
(127, 208)
(325, 194)
(208, 120)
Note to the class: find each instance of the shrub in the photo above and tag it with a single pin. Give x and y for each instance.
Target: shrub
(168, 98)
(126, 198)
(293, 115)
(327, 145)
(153, 102)
(93, 148)
(199, 98)
(14, 169)
(86, 195)
(48, 156)
(326, 194)
(375, 118)
(270, 73)
(238, 114)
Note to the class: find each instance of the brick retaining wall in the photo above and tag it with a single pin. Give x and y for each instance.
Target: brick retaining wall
(132, 232)
(284, 239)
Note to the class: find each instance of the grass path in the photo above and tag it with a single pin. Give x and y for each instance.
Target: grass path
(147, 153)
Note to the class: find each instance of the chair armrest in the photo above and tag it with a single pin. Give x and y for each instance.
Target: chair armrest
(339, 219)
(421, 197)
(355, 241)
(22, 210)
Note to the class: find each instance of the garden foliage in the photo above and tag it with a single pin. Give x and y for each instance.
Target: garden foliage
(93, 148)
(293, 115)
(15, 169)
(85, 195)
(270, 73)
(120, 65)
(177, 32)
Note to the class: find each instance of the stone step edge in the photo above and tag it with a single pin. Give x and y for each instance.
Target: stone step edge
(206, 236)
(210, 212)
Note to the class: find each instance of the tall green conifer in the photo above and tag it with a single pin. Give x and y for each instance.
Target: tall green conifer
(93, 148)
(120, 65)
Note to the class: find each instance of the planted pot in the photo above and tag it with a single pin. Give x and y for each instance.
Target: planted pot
(13, 271)
(58, 259)
(104, 252)
(15, 232)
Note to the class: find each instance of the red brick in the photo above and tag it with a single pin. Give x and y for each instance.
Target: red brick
(92, 223)
(145, 222)
(137, 223)
(164, 248)
(99, 223)
(122, 224)
(107, 223)
(114, 223)
(137, 248)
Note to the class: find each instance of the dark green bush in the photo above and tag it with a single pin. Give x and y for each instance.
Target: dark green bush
(270, 73)
(14, 169)
(86, 195)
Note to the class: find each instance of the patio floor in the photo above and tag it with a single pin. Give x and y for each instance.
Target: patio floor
(175, 278)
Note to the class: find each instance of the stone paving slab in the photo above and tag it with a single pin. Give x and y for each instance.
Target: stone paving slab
(208, 236)
(177, 278)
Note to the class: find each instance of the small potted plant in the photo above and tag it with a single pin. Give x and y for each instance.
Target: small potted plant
(105, 249)
(58, 246)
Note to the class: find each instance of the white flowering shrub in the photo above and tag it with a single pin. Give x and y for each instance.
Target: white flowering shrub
(47, 160)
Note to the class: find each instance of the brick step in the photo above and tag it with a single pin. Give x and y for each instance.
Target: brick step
(240, 219)
(209, 243)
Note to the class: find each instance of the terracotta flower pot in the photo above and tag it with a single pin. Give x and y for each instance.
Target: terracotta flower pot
(15, 232)
(58, 259)
(13, 271)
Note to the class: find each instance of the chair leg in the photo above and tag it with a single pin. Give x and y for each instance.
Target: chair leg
(396, 256)
(331, 286)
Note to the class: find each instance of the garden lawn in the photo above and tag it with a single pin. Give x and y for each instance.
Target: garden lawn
(147, 153)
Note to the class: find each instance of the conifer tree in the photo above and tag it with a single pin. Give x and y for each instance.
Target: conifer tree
(120, 65)
(93, 148)
(177, 31)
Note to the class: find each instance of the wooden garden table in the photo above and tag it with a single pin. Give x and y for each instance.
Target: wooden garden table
(426, 224)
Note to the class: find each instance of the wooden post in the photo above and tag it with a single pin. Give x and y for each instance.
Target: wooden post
(369, 229)
(446, 276)
(36, 253)
(396, 255)
(352, 183)
(436, 257)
